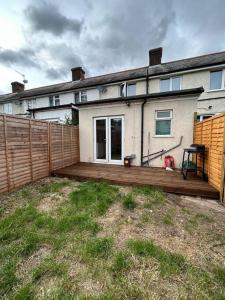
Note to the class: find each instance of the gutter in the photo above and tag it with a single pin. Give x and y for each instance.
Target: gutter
(71, 105)
(146, 96)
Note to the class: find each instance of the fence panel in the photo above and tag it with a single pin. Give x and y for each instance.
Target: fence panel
(31, 149)
(211, 133)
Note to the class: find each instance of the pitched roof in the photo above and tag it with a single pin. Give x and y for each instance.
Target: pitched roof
(164, 68)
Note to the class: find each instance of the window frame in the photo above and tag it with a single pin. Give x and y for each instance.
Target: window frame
(170, 83)
(79, 93)
(54, 98)
(170, 118)
(129, 84)
(9, 111)
(222, 87)
(126, 84)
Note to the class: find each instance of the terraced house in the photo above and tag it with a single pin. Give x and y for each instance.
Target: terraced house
(134, 112)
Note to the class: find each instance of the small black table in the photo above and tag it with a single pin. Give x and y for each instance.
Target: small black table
(193, 149)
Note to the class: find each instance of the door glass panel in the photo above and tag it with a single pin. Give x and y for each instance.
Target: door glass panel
(101, 139)
(116, 139)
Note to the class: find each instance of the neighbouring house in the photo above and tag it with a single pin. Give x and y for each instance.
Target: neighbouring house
(66, 113)
(135, 112)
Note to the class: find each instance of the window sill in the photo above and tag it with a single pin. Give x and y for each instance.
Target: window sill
(163, 136)
(219, 90)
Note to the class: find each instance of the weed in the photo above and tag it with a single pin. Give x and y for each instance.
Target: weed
(129, 202)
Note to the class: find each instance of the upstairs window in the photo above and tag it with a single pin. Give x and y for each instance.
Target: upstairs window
(7, 108)
(127, 89)
(54, 100)
(163, 122)
(80, 96)
(170, 84)
(83, 96)
(131, 89)
(217, 80)
(57, 100)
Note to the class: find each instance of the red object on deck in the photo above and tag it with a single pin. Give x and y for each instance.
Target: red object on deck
(169, 161)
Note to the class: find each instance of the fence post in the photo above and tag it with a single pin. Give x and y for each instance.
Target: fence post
(222, 187)
(49, 148)
(30, 151)
(6, 151)
(62, 145)
(71, 154)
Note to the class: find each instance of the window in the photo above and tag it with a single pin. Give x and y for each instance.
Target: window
(217, 80)
(131, 89)
(170, 84)
(83, 96)
(57, 100)
(163, 122)
(80, 96)
(7, 108)
(54, 100)
(77, 97)
(127, 89)
(51, 102)
(164, 85)
(31, 103)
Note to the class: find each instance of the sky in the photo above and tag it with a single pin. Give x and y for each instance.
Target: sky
(44, 39)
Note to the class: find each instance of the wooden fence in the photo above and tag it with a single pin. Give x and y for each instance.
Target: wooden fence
(31, 149)
(211, 133)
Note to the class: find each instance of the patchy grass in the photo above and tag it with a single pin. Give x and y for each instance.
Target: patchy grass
(66, 240)
(169, 262)
(97, 247)
(129, 202)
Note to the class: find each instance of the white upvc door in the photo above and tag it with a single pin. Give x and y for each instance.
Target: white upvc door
(100, 140)
(109, 139)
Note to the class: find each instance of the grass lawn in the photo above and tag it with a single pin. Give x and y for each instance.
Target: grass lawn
(60, 239)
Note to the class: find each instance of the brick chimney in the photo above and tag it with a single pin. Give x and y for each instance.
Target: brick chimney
(78, 73)
(155, 56)
(17, 87)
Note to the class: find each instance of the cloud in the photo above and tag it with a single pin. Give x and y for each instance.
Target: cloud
(65, 58)
(47, 18)
(123, 35)
(22, 57)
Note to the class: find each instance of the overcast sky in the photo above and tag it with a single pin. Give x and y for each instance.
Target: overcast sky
(45, 39)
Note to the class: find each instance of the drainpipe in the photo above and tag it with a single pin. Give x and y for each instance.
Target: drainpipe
(142, 118)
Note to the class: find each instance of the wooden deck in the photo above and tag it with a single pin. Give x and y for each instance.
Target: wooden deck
(140, 176)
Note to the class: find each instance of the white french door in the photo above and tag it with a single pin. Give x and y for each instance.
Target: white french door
(109, 139)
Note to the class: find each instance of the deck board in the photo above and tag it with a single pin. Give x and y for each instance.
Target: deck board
(172, 182)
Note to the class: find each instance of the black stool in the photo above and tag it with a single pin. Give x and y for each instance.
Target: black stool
(193, 149)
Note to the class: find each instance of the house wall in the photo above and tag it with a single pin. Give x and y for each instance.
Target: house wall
(182, 124)
(16, 108)
(132, 128)
(58, 115)
(216, 99)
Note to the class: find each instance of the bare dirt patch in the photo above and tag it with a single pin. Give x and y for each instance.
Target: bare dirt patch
(47, 286)
(181, 225)
(91, 286)
(25, 266)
